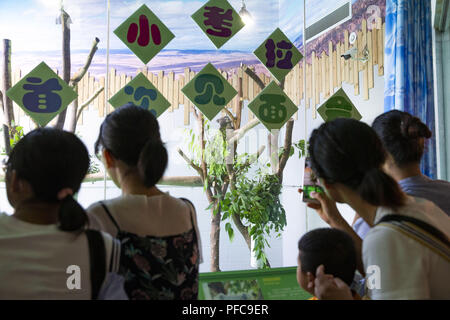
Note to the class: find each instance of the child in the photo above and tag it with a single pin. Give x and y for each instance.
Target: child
(333, 249)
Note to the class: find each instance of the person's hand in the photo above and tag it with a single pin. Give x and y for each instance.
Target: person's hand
(326, 208)
(327, 287)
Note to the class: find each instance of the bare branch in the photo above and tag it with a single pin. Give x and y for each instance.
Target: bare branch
(238, 134)
(229, 114)
(190, 162)
(255, 77)
(80, 74)
(287, 148)
(88, 102)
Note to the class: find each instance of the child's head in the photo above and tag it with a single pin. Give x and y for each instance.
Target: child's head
(48, 165)
(331, 247)
(129, 139)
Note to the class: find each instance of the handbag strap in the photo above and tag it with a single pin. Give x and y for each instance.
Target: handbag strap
(421, 231)
(97, 261)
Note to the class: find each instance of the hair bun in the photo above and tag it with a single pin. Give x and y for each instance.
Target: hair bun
(413, 128)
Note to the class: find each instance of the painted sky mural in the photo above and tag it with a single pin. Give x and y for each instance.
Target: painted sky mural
(36, 36)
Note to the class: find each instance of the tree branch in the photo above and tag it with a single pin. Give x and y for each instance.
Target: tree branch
(190, 162)
(80, 73)
(88, 102)
(255, 77)
(287, 149)
(230, 115)
(238, 134)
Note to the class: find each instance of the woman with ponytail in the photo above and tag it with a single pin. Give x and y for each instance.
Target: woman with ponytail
(347, 156)
(159, 234)
(46, 234)
(404, 137)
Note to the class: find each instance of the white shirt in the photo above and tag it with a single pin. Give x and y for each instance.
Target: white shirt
(408, 269)
(34, 260)
(158, 216)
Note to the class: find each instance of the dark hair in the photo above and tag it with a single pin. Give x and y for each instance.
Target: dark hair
(400, 134)
(331, 247)
(132, 135)
(348, 151)
(51, 160)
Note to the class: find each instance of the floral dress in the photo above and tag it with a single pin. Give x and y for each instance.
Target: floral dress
(159, 268)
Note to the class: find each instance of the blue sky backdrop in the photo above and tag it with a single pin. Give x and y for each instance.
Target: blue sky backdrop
(30, 24)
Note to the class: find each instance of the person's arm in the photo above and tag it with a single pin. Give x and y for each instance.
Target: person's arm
(329, 213)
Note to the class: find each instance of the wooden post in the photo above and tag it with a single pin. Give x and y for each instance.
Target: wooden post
(66, 61)
(7, 103)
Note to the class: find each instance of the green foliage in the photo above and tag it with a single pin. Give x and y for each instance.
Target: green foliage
(257, 201)
(15, 134)
(301, 145)
(94, 167)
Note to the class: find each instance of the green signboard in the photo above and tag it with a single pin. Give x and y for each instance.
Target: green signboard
(209, 91)
(144, 34)
(278, 54)
(273, 107)
(271, 284)
(42, 94)
(338, 106)
(219, 21)
(142, 93)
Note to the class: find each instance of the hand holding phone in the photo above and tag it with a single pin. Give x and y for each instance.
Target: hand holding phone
(310, 184)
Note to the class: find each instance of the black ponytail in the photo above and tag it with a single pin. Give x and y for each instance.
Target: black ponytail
(152, 162)
(72, 217)
(52, 160)
(402, 136)
(132, 135)
(348, 151)
(378, 188)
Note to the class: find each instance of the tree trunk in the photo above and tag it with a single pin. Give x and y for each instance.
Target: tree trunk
(73, 108)
(7, 103)
(66, 62)
(215, 240)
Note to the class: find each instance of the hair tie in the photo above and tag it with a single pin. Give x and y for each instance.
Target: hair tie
(64, 193)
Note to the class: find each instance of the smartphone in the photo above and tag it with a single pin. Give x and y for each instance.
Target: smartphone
(310, 183)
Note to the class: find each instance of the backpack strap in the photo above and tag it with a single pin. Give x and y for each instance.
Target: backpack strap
(110, 215)
(97, 261)
(420, 231)
(191, 210)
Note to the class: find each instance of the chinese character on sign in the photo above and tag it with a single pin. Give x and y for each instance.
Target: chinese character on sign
(338, 106)
(210, 87)
(142, 93)
(144, 31)
(273, 110)
(209, 91)
(42, 99)
(278, 54)
(285, 58)
(273, 107)
(218, 20)
(41, 94)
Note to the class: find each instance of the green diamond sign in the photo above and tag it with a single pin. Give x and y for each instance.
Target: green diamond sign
(42, 94)
(278, 54)
(273, 107)
(219, 21)
(144, 34)
(142, 93)
(209, 91)
(338, 106)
